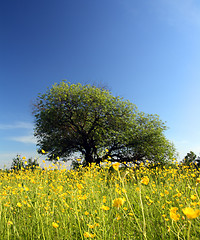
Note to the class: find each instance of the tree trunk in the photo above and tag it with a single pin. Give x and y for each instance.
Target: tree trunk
(88, 158)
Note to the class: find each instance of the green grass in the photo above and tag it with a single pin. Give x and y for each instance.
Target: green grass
(64, 204)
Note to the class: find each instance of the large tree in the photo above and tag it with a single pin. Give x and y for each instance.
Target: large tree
(72, 118)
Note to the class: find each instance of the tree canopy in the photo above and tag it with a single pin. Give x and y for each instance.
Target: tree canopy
(191, 159)
(75, 118)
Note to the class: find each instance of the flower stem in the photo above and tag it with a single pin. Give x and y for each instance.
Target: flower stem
(188, 233)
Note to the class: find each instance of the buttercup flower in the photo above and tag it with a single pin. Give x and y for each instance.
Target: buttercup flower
(118, 202)
(191, 213)
(86, 213)
(79, 186)
(173, 209)
(19, 204)
(55, 225)
(145, 180)
(105, 208)
(116, 166)
(174, 216)
(86, 234)
(193, 197)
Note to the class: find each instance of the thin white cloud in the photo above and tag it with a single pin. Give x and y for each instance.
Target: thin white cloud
(16, 125)
(24, 139)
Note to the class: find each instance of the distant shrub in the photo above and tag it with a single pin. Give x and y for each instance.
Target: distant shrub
(20, 163)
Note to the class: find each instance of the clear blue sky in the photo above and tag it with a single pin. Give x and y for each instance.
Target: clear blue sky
(145, 51)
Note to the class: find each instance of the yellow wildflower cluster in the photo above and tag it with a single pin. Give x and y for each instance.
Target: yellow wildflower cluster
(94, 202)
(173, 214)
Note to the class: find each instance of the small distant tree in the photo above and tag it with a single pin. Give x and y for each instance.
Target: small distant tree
(17, 163)
(189, 158)
(31, 164)
(20, 163)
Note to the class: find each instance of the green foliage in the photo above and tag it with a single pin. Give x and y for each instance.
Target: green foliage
(32, 164)
(75, 118)
(20, 163)
(17, 163)
(189, 158)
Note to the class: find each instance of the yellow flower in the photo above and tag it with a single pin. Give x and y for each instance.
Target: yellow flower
(198, 180)
(173, 209)
(96, 224)
(130, 214)
(105, 208)
(79, 186)
(174, 216)
(193, 203)
(19, 204)
(118, 191)
(43, 151)
(23, 158)
(87, 234)
(10, 223)
(178, 194)
(191, 213)
(86, 213)
(55, 225)
(193, 197)
(90, 226)
(116, 166)
(118, 202)
(145, 180)
(166, 192)
(118, 217)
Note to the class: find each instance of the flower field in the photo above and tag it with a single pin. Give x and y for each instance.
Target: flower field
(101, 203)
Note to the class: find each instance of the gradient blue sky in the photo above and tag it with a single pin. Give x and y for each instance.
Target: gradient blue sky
(146, 51)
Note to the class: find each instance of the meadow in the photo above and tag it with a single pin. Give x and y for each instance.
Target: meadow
(105, 203)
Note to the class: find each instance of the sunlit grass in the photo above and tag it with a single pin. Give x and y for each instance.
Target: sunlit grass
(100, 203)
